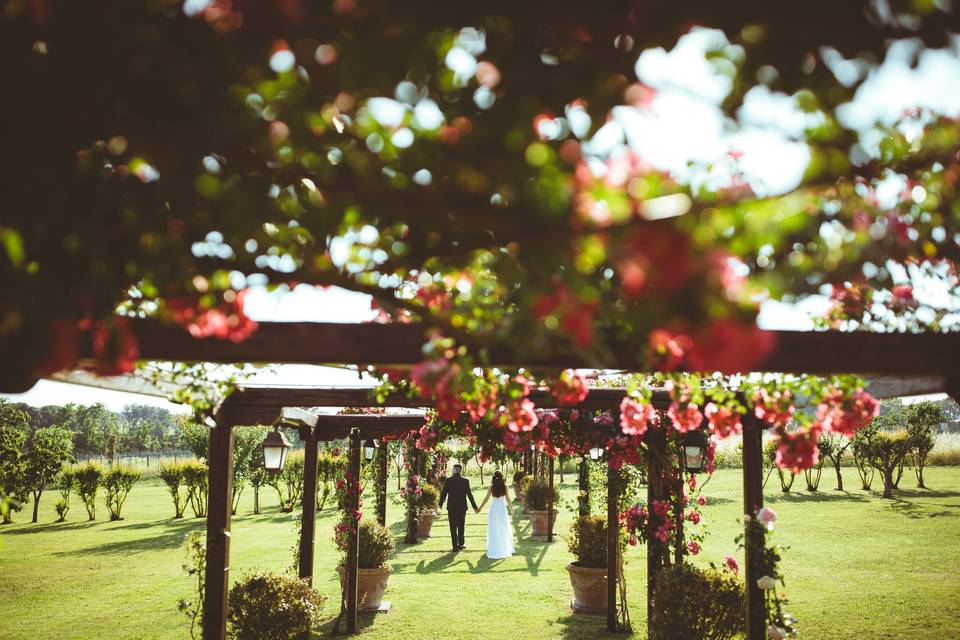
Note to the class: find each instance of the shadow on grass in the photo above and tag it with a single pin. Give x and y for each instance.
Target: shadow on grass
(577, 626)
(171, 538)
(818, 496)
(325, 630)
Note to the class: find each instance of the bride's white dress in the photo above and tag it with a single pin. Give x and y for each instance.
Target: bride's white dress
(499, 530)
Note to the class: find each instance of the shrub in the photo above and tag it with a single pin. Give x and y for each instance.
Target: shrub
(694, 604)
(88, 481)
(172, 476)
(65, 485)
(588, 541)
(195, 477)
(267, 606)
(376, 544)
(537, 494)
(117, 482)
(427, 500)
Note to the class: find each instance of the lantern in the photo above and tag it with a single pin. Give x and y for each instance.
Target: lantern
(694, 451)
(596, 453)
(275, 448)
(370, 449)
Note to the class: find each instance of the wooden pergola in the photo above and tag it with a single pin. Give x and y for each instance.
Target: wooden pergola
(901, 364)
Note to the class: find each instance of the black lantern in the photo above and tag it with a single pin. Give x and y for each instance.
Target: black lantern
(596, 453)
(370, 449)
(275, 448)
(694, 451)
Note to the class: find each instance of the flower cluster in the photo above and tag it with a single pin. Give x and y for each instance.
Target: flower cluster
(348, 490)
(569, 388)
(226, 321)
(780, 625)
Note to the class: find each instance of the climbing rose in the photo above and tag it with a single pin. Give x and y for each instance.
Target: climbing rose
(798, 451)
(766, 583)
(689, 418)
(701, 500)
(518, 415)
(694, 517)
(636, 417)
(773, 407)
(724, 421)
(731, 563)
(767, 517)
(570, 388)
(847, 415)
(667, 349)
(693, 547)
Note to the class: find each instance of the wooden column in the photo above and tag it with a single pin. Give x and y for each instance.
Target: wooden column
(353, 546)
(753, 502)
(411, 537)
(550, 503)
(220, 483)
(679, 548)
(383, 460)
(613, 545)
(583, 487)
(308, 523)
(656, 449)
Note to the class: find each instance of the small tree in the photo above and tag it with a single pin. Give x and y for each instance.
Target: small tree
(258, 478)
(812, 475)
(88, 482)
(65, 484)
(885, 449)
(49, 449)
(117, 482)
(922, 420)
(786, 477)
(195, 476)
(861, 460)
(288, 482)
(12, 467)
(246, 448)
(833, 446)
(397, 456)
(172, 476)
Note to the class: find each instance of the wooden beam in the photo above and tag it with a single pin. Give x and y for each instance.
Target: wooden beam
(818, 352)
(383, 458)
(613, 545)
(550, 503)
(353, 545)
(217, 580)
(308, 522)
(753, 502)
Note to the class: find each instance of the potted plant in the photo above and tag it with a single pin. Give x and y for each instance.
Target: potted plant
(587, 540)
(426, 509)
(517, 484)
(537, 497)
(376, 544)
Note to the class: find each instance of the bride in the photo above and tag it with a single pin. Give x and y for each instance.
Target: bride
(499, 529)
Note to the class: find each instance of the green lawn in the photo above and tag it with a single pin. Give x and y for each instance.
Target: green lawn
(858, 567)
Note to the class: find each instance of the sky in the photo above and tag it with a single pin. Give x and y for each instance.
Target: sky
(683, 124)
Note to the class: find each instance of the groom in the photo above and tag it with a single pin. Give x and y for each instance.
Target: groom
(457, 488)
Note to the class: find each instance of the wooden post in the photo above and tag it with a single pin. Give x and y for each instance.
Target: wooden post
(411, 537)
(753, 502)
(550, 503)
(656, 449)
(679, 548)
(220, 483)
(613, 545)
(353, 548)
(382, 461)
(308, 523)
(583, 486)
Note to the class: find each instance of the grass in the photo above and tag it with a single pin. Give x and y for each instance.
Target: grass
(858, 567)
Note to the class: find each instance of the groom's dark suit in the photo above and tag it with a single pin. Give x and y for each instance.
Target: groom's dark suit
(457, 489)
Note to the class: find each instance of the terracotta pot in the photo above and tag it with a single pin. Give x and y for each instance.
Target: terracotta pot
(538, 520)
(425, 523)
(589, 589)
(371, 584)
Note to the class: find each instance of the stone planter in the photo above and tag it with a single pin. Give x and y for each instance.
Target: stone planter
(589, 589)
(425, 523)
(538, 521)
(371, 584)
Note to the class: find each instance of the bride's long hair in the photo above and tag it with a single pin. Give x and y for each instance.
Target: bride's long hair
(498, 485)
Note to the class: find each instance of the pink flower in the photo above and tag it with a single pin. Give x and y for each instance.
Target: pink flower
(798, 450)
(694, 517)
(685, 419)
(701, 500)
(635, 417)
(693, 547)
(724, 421)
(847, 415)
(518, 415)
(692, 481)
(767, 517)
(774, 408)
(661, 508)
(731, 564)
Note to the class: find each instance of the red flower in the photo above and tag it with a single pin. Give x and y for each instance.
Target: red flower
(570, 388)
(724, 421)
(774, 408)
(729, 346)
(902, 298)
(115, 348)
(576, 317)
(226, 321)
(693, 547)
(847, 415)
(636, 417)
(667, 350)
(518, 415)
